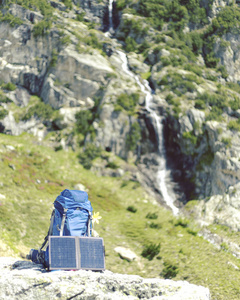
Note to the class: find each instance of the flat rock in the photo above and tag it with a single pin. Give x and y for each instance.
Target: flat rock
(27, 280)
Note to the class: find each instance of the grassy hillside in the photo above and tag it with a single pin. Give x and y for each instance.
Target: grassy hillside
(31, 178)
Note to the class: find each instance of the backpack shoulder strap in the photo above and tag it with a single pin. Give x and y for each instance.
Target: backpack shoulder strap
(89, 225)
(63, 221)
(49, 231)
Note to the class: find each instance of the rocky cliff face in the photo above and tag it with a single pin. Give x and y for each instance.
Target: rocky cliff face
(23, 279)
(67, 74)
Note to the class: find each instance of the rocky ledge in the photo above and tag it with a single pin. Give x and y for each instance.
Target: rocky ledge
(27, 280)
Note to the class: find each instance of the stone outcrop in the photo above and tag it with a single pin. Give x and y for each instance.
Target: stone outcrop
(214, 165)
(94, 11)
(226, 49)
(220, 209)
(26, 280)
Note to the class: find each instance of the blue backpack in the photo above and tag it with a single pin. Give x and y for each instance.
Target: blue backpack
(71, 216)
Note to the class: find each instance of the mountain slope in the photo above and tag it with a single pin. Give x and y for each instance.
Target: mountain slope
(63, 83)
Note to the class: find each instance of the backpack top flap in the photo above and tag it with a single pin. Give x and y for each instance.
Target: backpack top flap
(78, 196)
(71, 199)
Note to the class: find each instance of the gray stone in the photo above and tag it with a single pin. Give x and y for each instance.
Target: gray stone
(126, 253)
(26, 280)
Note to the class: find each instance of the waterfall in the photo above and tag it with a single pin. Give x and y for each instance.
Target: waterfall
(110, 10)
(164, 182)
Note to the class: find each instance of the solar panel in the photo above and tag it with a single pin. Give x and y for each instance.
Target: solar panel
(63, 253)
(67, 252)
(91, 253)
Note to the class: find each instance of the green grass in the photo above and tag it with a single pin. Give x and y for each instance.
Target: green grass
(31, 178)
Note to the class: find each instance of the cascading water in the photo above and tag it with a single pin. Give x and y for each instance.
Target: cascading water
(110, 10)
(163, 175)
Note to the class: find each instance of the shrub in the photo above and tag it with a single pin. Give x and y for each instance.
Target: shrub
(224, 246)
(234, 86)
(133, 137)
(192, 231)
(12, 20)
(234, 125)
(112, 165)
(215, 114)
(39, 110)
(176, 14)
(170, 270)
(68, 3)
(3, 113)
(135, 26)
(223, 71)
(155, 225)
(65, 40)
(90, 152)
(227, 20)
(150, 251)
(127, 102)
(41, 28)
(54, 59)
(179, 84)
(4, 98)
(130, 44)
(182, 222)
(227, 141)
(193, 68)
(132, 209)
(152, 216)
(84, 120)
(199, 104)
(235, 104)
(155, 12)
(92, 41)
(189, 135)
(197, 42)
(9, 86)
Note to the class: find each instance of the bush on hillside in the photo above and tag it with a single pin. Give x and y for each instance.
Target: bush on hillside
(41, 28)
(132, 209)
(84, 120)
(133, 137)
(152, 216)
(151, 250)
(127, 103)
(3, 113)
(88, 154)
(38, 110)
(4, 98)
(9, 86)
(170, 270)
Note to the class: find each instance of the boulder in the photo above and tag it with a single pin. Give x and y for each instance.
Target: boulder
(27, 280)
(126, 253)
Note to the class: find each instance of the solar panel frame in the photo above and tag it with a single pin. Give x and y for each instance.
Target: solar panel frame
(88, 253)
